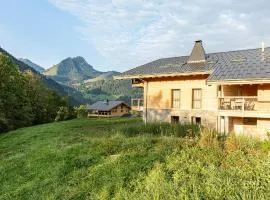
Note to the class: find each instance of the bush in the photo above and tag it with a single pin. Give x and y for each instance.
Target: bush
(81, 111)
(64, 113)
(208, 138)
(242, 143)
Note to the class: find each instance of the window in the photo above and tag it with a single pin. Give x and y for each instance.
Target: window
(176, 98)
(196, 98)
(175, 119)
(196, 120)
(250, 121)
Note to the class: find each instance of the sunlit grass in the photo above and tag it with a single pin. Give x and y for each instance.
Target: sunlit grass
(125, 159)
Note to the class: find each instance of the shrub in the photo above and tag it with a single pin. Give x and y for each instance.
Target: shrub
(242, 143)
(64, 113)
(81, 111)
(208, 138)
(265, 146)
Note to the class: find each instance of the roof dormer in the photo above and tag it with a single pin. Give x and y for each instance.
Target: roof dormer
(198, 54)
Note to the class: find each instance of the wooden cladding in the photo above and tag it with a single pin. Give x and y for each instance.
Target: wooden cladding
(158, 93)
(176, 96)
(196, 98)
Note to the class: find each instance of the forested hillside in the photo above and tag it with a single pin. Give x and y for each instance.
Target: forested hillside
(111, 89)
(91, 83)
(75, 97)
(24, 99)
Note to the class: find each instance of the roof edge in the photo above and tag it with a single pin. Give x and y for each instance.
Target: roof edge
(162, 75)
(239, 81)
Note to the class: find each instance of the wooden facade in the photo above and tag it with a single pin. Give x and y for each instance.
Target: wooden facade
(228, 91)
(117, 111)
(228, 108)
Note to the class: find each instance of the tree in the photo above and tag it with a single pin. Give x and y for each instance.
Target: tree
(15, 107)
(81, 111)
(24, 100)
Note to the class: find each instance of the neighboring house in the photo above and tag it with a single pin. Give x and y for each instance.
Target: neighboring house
(108, 109)
(228, 91)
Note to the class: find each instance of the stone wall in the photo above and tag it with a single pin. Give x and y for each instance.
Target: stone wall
(208, 118)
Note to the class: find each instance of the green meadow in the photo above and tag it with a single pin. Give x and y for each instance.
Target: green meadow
(122, 158)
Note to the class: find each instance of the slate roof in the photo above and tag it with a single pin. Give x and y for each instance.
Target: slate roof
(169, 66)
(232, 65)
(104, 105)
(249, 64)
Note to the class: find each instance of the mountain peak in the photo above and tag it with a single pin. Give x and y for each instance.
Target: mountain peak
(71, 71)
(79, 58)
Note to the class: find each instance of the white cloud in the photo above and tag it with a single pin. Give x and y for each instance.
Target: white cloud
(232, 21)
(132, 32)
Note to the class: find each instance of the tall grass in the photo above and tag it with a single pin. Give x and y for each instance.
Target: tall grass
(161, 129)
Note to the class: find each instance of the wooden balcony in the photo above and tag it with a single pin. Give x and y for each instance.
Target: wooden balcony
(137, 104)
(243, 106)
(238, 103)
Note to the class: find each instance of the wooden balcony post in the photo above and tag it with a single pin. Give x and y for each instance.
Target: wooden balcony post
(243, 104)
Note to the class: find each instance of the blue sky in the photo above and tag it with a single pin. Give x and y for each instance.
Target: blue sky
(121, 34)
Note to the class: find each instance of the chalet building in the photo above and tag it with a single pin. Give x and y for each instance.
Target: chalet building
(228, 91)
(108, 109)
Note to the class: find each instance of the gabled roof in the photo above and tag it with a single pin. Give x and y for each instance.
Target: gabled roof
(105, 105)
(237, 65)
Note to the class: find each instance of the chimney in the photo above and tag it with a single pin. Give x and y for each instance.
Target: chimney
(197, 54)
(262, 47)
(107, 101)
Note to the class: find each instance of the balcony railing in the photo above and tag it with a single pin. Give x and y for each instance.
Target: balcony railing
(137, 104)
(238, 103)
(137, 83)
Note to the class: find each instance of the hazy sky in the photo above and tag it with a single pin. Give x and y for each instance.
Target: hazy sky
(121, 34)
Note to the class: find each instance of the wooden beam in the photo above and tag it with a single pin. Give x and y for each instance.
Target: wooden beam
(240, 82)
(161, 75)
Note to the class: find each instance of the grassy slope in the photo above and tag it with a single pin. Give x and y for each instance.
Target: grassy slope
(91, 159)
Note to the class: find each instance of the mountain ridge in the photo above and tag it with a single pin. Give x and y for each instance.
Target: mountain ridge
(32, 64)
(93, 84)
(83, 90)
(75, 96)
